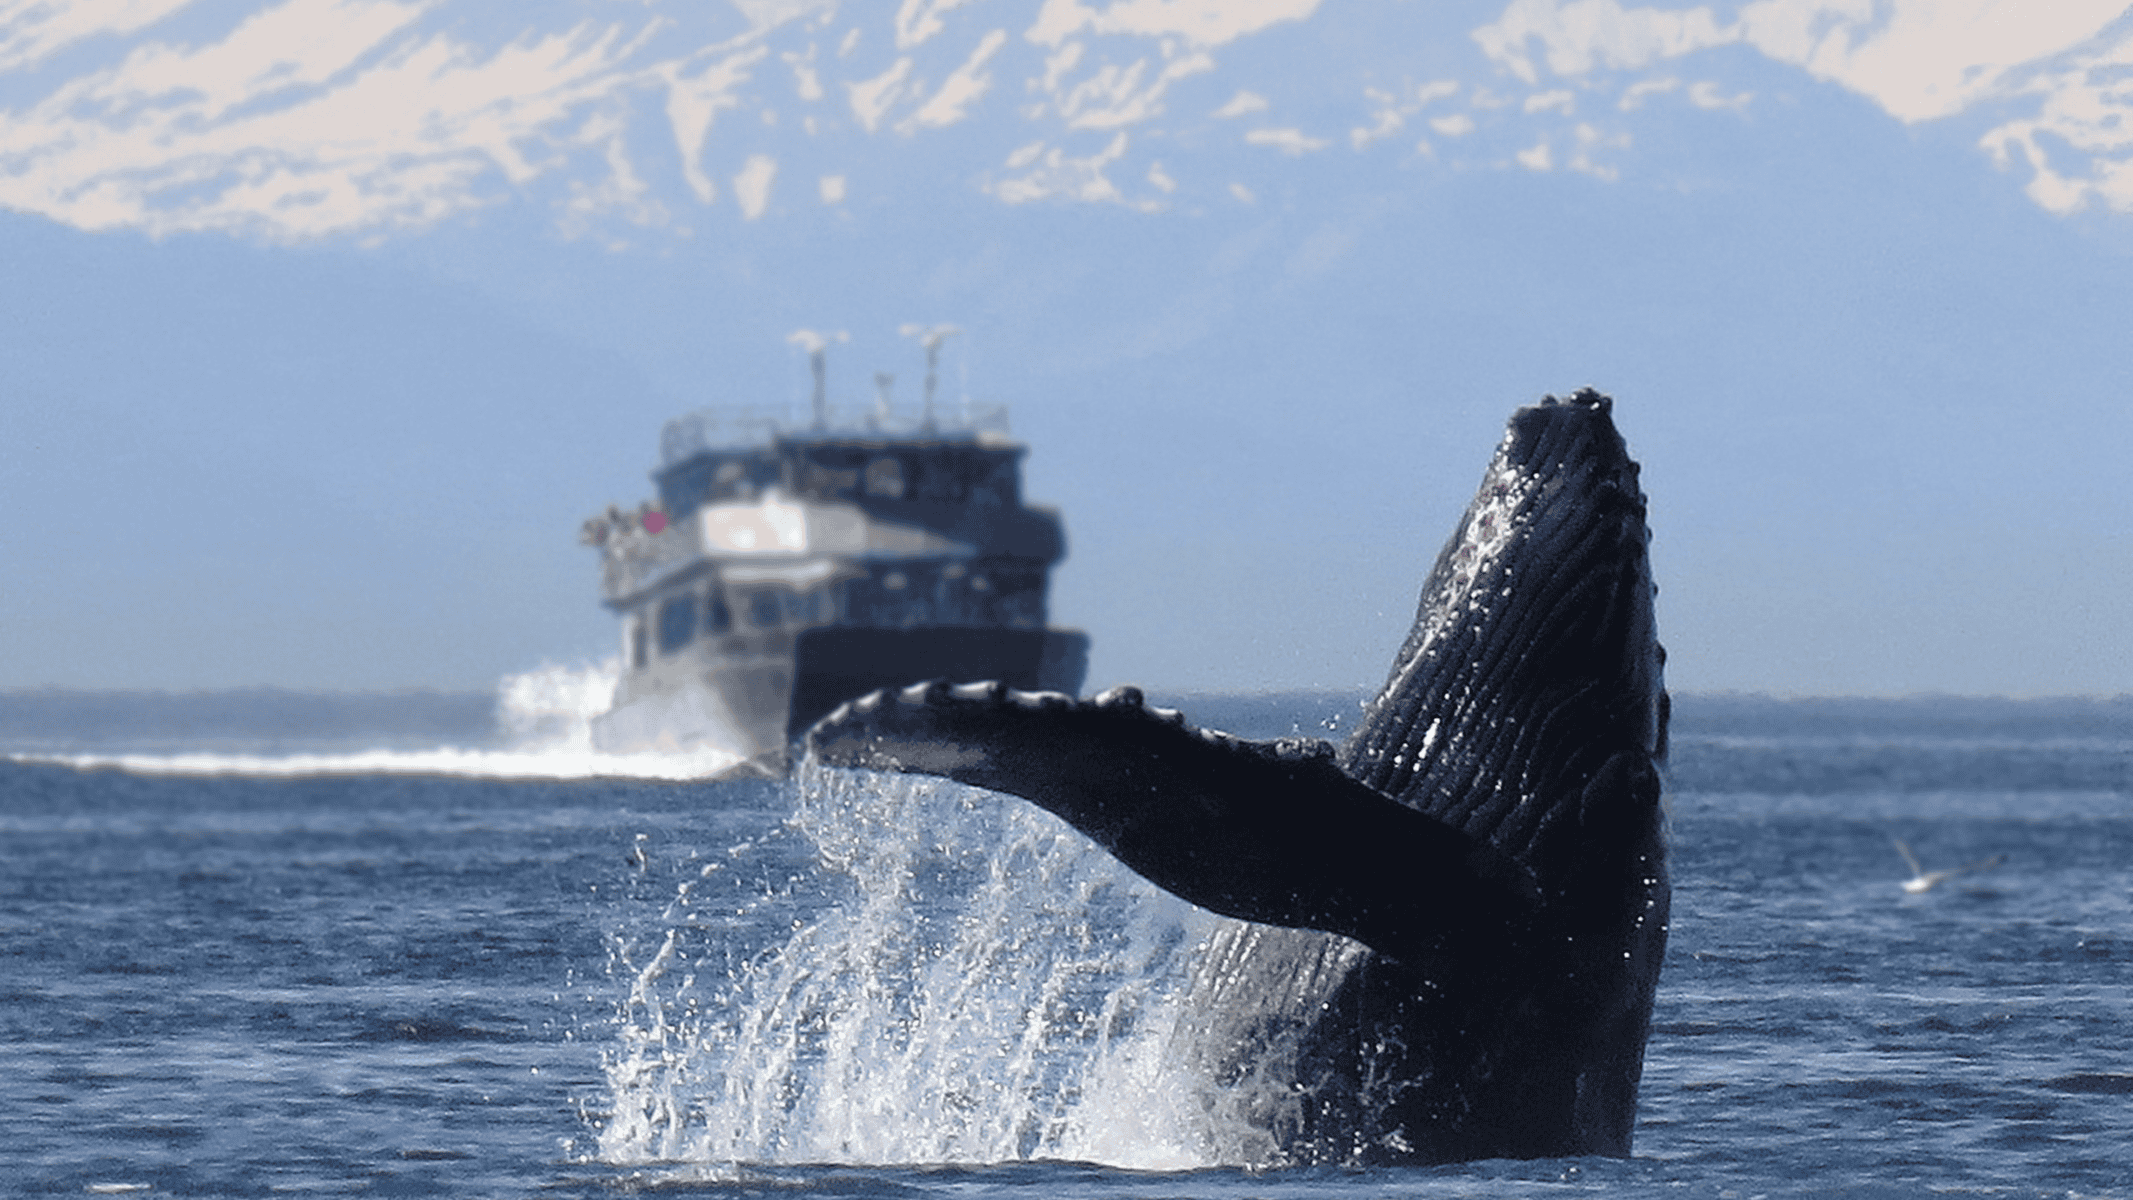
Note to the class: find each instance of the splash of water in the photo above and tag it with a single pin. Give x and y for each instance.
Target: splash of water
(985, 985)
(544, 722)
(552, 707)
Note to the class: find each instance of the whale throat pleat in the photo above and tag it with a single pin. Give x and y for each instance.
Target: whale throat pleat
(1533, 653)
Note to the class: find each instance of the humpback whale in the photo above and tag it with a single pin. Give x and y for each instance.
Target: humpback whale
(1456, 919)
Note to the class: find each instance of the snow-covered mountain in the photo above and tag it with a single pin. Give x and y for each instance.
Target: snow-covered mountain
(307, 118)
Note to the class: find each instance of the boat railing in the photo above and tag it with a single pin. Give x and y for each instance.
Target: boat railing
(633, 557)
(728, 427)
(720, 427)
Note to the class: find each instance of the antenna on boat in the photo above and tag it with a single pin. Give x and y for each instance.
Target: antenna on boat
(817, 346)
(931, 337)
(883, 381)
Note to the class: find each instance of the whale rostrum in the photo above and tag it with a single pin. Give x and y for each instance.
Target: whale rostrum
(1459, 915)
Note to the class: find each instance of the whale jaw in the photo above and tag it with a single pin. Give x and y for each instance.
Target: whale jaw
(1491, 834)
(1534, 654)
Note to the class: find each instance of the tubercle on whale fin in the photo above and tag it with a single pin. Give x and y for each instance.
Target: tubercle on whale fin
(1125, 702)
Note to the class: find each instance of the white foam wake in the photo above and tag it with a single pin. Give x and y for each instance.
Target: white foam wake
(544, 719)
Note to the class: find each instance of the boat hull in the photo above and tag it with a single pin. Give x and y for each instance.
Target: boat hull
(840, 663)
(751, 701)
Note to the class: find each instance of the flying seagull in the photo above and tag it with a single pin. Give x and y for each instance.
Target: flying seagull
(1922, 880)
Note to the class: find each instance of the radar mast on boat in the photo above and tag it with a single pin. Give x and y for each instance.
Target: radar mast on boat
(931, 337)
(817, 346)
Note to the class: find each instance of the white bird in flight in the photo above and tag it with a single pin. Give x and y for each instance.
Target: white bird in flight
(1922, 880)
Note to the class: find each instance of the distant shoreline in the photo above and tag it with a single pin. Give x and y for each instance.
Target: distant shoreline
(59, 718)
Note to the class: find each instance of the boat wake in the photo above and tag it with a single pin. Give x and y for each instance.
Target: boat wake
(542, 730)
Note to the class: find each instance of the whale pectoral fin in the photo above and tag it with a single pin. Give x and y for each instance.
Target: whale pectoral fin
(1264, 831)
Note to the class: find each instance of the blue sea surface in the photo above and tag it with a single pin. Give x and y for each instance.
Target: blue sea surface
(259, 974)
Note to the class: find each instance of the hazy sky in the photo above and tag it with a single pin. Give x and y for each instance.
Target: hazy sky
(325, 322)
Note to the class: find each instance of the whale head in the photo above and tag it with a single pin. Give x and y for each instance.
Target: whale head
(1534, 661)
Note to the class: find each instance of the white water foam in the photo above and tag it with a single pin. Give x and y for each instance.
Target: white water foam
(544, 717)
(990, 987)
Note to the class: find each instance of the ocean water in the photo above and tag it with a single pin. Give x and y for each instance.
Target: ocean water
(289, 961)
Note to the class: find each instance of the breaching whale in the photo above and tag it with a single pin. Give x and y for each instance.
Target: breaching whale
(1459, 915)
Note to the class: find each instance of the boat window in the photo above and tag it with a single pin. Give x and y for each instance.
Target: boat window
(717, 617)
(998, 485)
(637, 642)
(730, 480)
(677, 623)
(764, 609)
(860, 601)
(828, 483)
(885, 477)
(1016, 597)
(807, 608)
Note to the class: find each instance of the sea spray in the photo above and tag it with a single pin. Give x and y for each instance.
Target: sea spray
(553, 706)
(983, 985)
